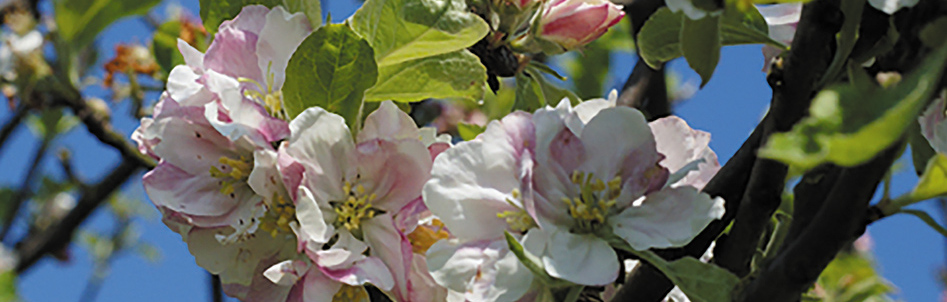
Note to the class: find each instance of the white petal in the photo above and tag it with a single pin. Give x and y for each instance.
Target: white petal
(388, 123)
(668, 218)
(613, 135)
(182, 85)
(311, 219)
(581, 259)
(279, 38)
(192, 57)
(322, 142)
(682, 146)
(284, 273)
(891, 6)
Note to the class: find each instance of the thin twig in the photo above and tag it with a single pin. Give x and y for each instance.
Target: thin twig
(216, 289)
(26, 188)
(55, 238)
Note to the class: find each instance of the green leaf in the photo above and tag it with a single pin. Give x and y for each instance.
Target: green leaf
(80, 21)
(529, 93)
(701, 282)
(700, 43)
(165, 45)
(457, 74)
(845, 39)
(330, 69)
(660, 38)
(927, 219)
(932, 34)
(933, 182)
(406, 30)
(848, 124)
(921, 150)
(469, 131)
(8, 286)
(214, 12)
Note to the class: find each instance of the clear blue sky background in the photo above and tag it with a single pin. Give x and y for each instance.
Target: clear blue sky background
(909, 253)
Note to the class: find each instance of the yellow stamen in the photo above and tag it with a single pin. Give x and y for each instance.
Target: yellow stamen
(595, 201)
(423, 237)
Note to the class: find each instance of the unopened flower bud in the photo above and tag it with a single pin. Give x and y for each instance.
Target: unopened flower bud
(571, 24)
(99, 108)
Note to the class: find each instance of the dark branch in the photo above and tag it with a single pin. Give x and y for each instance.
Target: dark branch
(26, 188)
(792, 91)
(33, 248)
(646, 88)
(838, 223)
(101, 128)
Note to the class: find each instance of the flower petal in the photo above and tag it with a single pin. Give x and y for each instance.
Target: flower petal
(681, 146)
(668, 218)
(581, 259)
(280, 36)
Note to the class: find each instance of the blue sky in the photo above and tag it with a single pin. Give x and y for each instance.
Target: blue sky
(909, 253)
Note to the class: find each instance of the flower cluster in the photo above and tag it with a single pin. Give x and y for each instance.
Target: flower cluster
(306, 209)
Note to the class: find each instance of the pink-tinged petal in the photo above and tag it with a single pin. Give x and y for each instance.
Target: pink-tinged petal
(265, 177)
(252, 18)
(681, 147)
(388, 123)
(312, 217)
(286, 273)
(581, 259)
(145, 145)
(321, 142)
(280, 36)
(315, 286)
(668, 218)
(933, 125)
(233, 53)
(483, 270)
(574, 23)
(395, 171)
(246, 118)
(236, 262)
(586, 110)
(393, 248)
(260, 288)
(291, 170)
(472, 182)
(205, 146)
(192, 57)
(171, 187)
(611, 136)
(423, 286)
(368, 270)
(183, 86)
(407, 219)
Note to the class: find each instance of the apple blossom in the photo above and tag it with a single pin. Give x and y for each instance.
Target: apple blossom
(356, 189)
(253, 48)
(543, 177)
(892, 6)
(571, 24)
(781, 20)
(14, 46)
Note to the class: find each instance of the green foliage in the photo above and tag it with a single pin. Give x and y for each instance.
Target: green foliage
(469, 131)
(80, 21)
(933, 34)
(8, 286)
(406, 30)
(330, 69)
(456, 74)
(700, 43)
(927, 220)
(660, 39)
(851, 277)
(420, 49)
(533, 263)
(533, 91)
(848, 124)
(933, 182)
(589, 68)
(845, 40)
(921, 150)
(214, 12)
(701, 282)
(51, 122)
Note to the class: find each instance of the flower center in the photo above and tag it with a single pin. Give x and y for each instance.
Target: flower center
(595, 201)
(278, 216)
(423, 237)
(355, 208)
(518, 219)
(231, 171)
(271, 99)
(351, 293)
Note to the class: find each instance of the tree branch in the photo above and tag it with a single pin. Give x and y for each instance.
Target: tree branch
(838, 223)
(55, 238)
(102, 129)
(25, 189)
(792, 92)
(646, 88)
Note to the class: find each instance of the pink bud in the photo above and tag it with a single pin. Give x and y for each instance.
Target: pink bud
(574, 23)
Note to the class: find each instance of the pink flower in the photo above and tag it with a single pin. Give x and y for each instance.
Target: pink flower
(253, 48)
(574, 23)
(782, 20)
(563, 180)
(357, 189)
